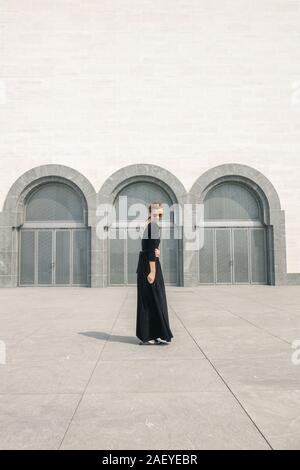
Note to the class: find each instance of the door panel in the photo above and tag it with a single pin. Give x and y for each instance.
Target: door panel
(133, 249)
(124, 254)
(240, 255)
(62, 257)
(223, 256)
(80, 257)
(258, 256)
(54, 257)
(206, 260)
(169, 256)
(117, 258)
(27, 257)
(45, 257)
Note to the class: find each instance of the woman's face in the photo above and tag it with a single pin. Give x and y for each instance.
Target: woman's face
(156, 215)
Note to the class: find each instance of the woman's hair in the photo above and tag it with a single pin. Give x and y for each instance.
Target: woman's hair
(154, 205)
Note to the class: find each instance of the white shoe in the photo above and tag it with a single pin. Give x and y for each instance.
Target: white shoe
(151, 341)
(161, 341)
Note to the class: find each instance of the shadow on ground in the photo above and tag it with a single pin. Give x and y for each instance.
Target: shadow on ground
(101, 335)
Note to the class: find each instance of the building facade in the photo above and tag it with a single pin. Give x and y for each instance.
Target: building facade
(49, 231)
(183, 104)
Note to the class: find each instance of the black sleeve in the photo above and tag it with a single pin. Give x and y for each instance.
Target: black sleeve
(153, 240)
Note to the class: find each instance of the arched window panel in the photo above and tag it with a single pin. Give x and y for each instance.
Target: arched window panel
(231, 201)
(55, 202)
(142, 192)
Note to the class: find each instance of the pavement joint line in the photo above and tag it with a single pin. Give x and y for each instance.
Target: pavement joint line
(34, 331)
(92, 373)
(110, 392)
(225, 383)
(232, 298)
(17, 343)
(255, 325)
(40, 393)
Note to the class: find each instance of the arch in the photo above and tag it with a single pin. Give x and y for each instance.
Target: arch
(126, 176)
(137, 172)
(55, 201)
(246, 175)
(273, 215)
(53, 243)
(232, 200)
(143, 192)
(12, 215)
(18, 192)
(14, 206)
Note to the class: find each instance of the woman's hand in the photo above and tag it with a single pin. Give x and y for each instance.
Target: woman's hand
(151, 277)
(157, 252)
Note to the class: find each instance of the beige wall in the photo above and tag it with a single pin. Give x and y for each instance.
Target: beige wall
(187, 85)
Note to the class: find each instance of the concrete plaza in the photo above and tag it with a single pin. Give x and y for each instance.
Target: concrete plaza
(75, 376)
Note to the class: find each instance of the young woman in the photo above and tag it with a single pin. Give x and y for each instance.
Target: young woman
(152, 325)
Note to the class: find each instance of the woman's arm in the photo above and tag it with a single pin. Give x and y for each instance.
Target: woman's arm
(153, 236)
(152, 274)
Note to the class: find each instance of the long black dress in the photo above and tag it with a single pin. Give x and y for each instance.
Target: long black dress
(152, 309)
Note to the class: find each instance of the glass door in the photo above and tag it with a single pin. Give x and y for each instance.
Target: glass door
(124, 251)
(62, 257)
(54, 257)
(223, 256)
(233, 256)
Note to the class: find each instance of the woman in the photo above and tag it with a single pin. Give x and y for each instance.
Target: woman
(152, 326)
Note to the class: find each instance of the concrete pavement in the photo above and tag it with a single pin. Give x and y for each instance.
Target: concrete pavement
(76, 378)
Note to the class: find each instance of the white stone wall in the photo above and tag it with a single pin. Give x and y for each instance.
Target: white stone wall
(184, 84)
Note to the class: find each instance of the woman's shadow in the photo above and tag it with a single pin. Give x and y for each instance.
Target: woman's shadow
(101, 335)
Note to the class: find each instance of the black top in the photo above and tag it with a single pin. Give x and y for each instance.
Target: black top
(151, 240)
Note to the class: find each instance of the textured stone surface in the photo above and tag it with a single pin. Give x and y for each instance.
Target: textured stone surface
(189, 272)
(226, 381)
(187, 87)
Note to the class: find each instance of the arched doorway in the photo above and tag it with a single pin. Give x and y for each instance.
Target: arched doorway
(125, 245)
(54, 238)
(235, 237)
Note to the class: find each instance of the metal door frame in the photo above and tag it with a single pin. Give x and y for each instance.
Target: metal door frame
(53, 231)
(19, 258)
(250, 228)
(87, 231)
(125, 226)
(70, 258)
(37, 258)
(171, 225)
(108, 259)
(265, 256)
(230, 255)
(234, 282)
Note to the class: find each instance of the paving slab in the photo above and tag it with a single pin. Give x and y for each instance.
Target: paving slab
(262, 373)
(35, 421)
(159, 375)
(277, 414)
(189, 420)
(58, 376)
(236, 341)
(76, 377)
